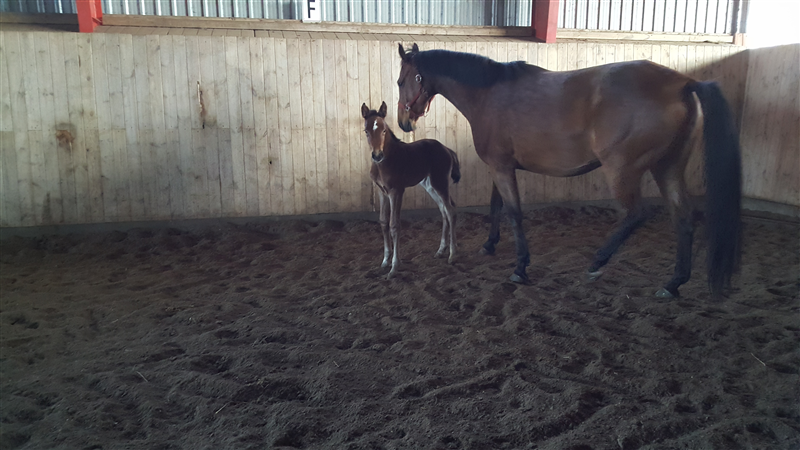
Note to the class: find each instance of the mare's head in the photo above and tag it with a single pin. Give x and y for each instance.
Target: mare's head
(376, 129)
(414, 97)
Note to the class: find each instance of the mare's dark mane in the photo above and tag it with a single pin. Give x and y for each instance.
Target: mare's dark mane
(472, 70)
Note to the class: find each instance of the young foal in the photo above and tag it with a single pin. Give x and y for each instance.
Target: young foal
(396, 166)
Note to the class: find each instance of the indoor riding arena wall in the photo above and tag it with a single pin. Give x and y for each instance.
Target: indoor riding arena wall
(114, 127)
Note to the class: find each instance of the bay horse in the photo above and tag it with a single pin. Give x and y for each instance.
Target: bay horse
(397, 165)
(625, 118)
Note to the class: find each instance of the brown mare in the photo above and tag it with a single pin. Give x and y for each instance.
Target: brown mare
(625, 118)
(397, 165)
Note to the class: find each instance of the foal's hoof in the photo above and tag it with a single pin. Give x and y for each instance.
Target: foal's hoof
(438, 254)
(664, 293)
(485, 251)
(451, 260)
(594, 276)
(516, 278)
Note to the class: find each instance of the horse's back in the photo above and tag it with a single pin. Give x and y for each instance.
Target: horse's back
(560, 123)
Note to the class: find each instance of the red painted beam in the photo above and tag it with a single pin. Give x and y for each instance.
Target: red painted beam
(545, 20)
(90, 14)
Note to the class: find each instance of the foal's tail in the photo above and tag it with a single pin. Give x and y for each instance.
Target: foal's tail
(455, 171)
(723, 172)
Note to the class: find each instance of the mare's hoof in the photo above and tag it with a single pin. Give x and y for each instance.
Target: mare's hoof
(451, 260)
(384, 264)
(485, 251)
(664, 293)
(516, 278)
(594, 276)
(438, 254)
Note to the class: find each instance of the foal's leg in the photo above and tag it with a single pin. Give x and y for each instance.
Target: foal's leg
(494, 216)
(626, 188)
(426, 184)
(440, 193)
(384, 219)
(672, 185)
(395, 204)
(506, 184)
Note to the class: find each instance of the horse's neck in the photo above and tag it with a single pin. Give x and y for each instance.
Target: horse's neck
(392, 144)
(465, 98)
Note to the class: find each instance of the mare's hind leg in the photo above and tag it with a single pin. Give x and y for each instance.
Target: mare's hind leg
(506, 184)
(494, 216)
(627, 191)
(672, 185)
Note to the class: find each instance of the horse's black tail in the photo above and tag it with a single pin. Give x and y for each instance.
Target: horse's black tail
(455, 171)
(723, 172)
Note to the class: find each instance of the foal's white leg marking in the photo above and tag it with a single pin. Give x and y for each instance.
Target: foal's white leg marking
(394, 222)
(426, 183)
(384, 220)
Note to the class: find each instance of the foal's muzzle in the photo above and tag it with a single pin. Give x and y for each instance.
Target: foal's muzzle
(377, 158)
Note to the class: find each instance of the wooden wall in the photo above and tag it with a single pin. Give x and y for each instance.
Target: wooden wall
(771, 125)
(115, 127)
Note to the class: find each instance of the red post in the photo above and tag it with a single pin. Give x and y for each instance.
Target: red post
(545, 20)
(90, 14)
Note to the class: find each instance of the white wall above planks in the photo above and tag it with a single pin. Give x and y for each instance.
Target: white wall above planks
(114, 127)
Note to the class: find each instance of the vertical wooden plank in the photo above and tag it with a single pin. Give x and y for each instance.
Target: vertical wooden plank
(260, 161)
(174, 172)
(287, 179)
(34, 149)
(11, 213)
(210, 111)
(99, 78)
(119, 171)
(75, 141)
(224, 155)
(145, 128)
(297, 147)
(330, 60)
(234, 157)
(53, 207)
(197, 194)
(345, 148)
(158, 145)
(364, 163)
(353, 123)
(92, 138)
(309, 141)
(317, 118)
(274, 158)
(133, 173)
(184, 161)
(250, 158)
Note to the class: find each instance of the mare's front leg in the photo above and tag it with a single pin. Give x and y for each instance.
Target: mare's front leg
(494, 216)
(506, 184)
(384, 220)
(395, 204)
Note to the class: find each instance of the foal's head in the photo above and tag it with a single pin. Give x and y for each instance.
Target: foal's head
(415, 97)
(376, 129)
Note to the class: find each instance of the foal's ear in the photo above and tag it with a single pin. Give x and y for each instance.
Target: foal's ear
(414, 48)
(402, 52)
(364, 110)
(382, 110)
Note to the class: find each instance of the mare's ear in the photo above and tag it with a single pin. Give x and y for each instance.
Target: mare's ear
(364, 110)
(414, 48)
(382, 110)
(402, 52)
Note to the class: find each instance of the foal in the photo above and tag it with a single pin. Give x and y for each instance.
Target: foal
(397, 165)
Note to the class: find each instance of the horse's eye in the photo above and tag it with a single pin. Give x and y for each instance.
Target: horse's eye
(400, 83)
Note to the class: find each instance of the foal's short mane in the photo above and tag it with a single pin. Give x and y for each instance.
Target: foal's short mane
(473, 70)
